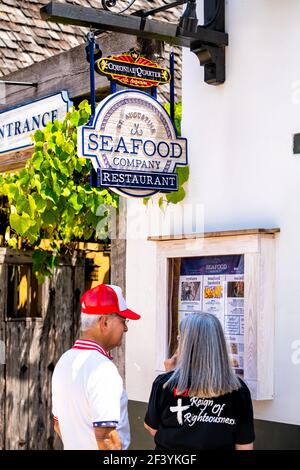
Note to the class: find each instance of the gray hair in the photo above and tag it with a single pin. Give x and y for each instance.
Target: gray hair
(203, 366)
(88, 321)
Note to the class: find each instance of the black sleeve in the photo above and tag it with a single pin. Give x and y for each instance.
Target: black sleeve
(152, 417)
(244, 433)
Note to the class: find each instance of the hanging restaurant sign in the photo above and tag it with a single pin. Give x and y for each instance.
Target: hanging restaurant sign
(131, 69)
(133, 145)
(18, 123)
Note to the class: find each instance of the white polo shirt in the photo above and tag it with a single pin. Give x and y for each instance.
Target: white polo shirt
(87, 392)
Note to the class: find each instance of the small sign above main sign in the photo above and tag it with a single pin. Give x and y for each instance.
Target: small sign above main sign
(133, 145)
(131, 69)
(18, 123)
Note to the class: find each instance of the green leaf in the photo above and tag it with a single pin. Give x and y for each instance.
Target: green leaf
(176, 196)
(57, 163)
(54, 261)
(39, 256)
(60, 138)
(57, 188)
(183, 174)
(85, 106)
(51, 146)
(66, 192)
(11, 191)
(49, 217)
(40, 278)
(24, 178)
(42, 264)
(32, 205)
(45, 166)
(49, 194)
(57, 124)
(20, 223)
(69, 148)
(64, 169)
(22, 204)
(39, 136)
(12, 243)
(78, 164)
(40, 203)
(75, 116)
(36, 182)
(177, 117)
(39, 145)
(160, 202)
(82, 196)
(73, 200)
(33, 233)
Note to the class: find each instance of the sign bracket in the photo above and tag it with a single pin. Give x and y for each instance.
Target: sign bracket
(10, 82)
(207, 41)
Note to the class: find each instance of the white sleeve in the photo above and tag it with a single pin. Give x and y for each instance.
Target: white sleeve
(53, 393)
(104, 390)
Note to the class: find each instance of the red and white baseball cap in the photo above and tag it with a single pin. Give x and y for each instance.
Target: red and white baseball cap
(105, 299)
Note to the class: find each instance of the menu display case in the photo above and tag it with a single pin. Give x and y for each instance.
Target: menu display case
(231, 275)
(215, 284)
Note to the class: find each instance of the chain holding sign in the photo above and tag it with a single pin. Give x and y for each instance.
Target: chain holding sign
(133, 145)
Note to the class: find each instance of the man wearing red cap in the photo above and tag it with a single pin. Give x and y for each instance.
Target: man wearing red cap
(89, 402)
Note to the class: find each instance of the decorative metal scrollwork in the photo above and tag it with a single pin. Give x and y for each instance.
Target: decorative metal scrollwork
(124, 5)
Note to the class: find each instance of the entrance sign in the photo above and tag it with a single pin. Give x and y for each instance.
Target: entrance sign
(131, 69)
(133, 145)
(18, 123)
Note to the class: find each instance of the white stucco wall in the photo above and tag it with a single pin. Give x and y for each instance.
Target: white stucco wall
(244, 173)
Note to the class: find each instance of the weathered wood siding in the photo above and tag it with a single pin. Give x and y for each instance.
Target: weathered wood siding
(2, 366)
(33, 346)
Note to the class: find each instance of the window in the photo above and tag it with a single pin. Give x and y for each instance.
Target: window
(23, 292)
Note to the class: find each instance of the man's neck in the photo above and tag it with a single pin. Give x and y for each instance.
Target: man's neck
(89, 336)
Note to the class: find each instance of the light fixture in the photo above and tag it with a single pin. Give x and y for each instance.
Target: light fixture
(188, 22)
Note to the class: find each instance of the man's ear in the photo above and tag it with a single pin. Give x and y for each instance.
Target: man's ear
(102, 322)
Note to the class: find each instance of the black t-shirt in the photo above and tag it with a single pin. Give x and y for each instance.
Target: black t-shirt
(192, 423)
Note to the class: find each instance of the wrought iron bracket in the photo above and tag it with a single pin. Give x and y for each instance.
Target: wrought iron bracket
(207, 42)
(213, 60)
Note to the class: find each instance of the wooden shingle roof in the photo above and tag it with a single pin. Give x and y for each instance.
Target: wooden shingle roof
(25, 38)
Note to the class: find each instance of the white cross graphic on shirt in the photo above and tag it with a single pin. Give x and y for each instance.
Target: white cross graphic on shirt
(179, 408)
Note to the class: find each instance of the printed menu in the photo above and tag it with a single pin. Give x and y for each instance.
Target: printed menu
(215, 284)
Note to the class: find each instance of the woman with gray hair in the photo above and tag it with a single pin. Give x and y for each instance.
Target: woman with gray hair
(201, 404)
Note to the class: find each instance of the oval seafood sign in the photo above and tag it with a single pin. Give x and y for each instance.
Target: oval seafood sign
(133, 145)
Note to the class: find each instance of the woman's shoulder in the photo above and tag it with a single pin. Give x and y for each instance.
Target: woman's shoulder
(161, 379)
(243, 384)
(243, 390)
